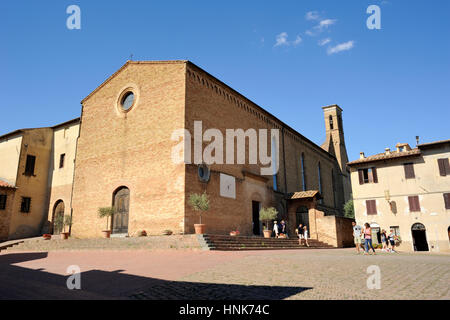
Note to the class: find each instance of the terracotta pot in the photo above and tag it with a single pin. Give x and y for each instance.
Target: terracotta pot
(47, 236)
(106, 233)
(199, 228)
(267, 233)
(64, 235)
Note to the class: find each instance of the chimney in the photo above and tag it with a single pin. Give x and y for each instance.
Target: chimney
(417, 140)
(387, 151)
(361, 155)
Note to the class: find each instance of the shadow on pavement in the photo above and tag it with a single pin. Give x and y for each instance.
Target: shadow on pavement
(23, 283)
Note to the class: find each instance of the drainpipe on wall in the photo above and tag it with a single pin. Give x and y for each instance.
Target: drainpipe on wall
(74, 166)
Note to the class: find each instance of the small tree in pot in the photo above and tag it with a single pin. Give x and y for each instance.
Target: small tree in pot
(106, 212)
(61, 222)
(267, 215)
(200, 203)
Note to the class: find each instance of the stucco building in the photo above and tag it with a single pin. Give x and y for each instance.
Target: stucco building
(408, 190)
(129, 128)
(36, 166)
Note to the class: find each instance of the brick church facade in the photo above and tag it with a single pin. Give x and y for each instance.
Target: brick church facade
(124, 158)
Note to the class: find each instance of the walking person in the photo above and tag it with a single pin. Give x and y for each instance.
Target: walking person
(384, 240)
(368, 238)
(305, 235)
(275, 229)
(357, 236)
(299, 232)
(391, 238)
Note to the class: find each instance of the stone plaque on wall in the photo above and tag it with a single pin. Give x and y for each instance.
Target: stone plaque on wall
(227, 186)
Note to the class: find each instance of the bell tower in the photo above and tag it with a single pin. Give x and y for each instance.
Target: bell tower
(335, 143)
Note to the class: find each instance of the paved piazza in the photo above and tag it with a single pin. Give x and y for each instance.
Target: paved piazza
(184, 274)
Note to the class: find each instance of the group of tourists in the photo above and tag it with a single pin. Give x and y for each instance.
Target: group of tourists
(280, 231)
(365, 234)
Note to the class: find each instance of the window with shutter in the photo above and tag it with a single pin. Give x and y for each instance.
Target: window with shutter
(374, 175)
(444, 167)
(414, 205)
(361, 176)
(371, 206)
(447, 200)
(409, 171)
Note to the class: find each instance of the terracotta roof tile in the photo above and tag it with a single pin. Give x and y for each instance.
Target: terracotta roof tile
(4, 184)
(304, 194)
(384, 156)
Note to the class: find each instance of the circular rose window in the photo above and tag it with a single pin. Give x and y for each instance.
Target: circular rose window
(127, 101)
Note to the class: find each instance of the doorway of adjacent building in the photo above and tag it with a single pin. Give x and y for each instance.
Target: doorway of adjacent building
(121, 203)
(58, 211)
(419, 237)
(376, 233)
(255, 213)
(302, 216)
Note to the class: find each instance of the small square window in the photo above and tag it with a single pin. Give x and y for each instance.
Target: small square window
(25, 205)
(2, 201)
(62, 157)
(29, 165)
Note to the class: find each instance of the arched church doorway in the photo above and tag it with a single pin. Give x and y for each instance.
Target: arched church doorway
(419, 237)
(302, 216)
(121, 203)
(58, 211)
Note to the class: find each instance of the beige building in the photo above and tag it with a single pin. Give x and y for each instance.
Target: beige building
(407, 190)
(36, 170)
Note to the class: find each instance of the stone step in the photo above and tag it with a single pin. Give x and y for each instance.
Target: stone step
(9, 244)
(237, 243)
(265, 248)
(264, 244)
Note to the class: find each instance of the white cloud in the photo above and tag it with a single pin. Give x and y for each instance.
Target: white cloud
(282, 39)
(323, 42)
(323, 24)
(312, 15)
(341, 47)
(297, 40)
(326, 23)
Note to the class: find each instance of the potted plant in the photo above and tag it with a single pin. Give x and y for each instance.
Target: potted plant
(142, 233)
(200, 203)
(46, 236)
(60, 223)
(106, 212)
(267, 214)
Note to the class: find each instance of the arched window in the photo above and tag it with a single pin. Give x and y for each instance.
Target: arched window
(333, 184)
(331, 121)
(320, 181)
(274, 163)
(302, 164)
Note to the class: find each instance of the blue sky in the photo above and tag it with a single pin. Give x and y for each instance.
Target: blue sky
(393, 83)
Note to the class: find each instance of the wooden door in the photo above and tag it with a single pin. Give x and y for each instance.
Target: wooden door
(121, 204)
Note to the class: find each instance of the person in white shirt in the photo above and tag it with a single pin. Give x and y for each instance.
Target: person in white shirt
(275, 228)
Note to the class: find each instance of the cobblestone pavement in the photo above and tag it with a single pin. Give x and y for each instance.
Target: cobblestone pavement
(173, 274)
